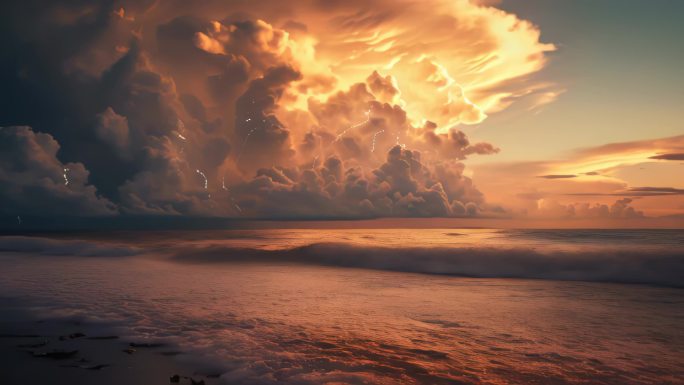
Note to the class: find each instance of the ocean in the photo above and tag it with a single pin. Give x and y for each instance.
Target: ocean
(374, 306)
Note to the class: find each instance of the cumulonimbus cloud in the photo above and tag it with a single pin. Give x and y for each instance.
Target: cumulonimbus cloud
(264, 108)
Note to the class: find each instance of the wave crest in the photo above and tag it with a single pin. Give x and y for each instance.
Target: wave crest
(642, 266)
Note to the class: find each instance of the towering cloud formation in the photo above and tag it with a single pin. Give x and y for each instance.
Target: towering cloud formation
(300, 109)
(33, 181)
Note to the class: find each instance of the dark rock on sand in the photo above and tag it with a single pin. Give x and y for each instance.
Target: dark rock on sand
(129, 351)
(103, 338)
(71, 336)
(193, 382)
(170, 353)
(146, 345)
(174, 379)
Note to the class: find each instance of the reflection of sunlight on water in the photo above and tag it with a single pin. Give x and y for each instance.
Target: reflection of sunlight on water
(542, 240)
(317, 323)
(286, 239)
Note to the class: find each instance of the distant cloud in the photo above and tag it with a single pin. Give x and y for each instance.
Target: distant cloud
(646, 191)
(589, 174)
(620, 209)
(558, 176)
(673, 156)
(637, 192)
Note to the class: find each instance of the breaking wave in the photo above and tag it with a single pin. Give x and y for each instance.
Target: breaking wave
(639, 266)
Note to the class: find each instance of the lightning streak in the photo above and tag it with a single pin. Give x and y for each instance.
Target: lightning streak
(244, 143)
(206, 181)
(374, 136)
(400, 144)
(368, 114)
(230, 194)
(66, 177)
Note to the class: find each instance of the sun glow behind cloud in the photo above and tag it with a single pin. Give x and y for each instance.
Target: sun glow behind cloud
(452, 61)
(306, 108)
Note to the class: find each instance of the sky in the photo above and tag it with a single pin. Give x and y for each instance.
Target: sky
(562, 110)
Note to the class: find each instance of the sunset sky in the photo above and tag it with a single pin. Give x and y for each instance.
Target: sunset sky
(311, 109)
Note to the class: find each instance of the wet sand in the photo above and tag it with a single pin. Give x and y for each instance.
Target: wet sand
(68, 352)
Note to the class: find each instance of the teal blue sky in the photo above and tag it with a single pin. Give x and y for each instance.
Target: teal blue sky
(621, 63)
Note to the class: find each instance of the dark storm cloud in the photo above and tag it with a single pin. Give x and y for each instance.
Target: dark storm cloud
(188, 115)
(265, 138)
(34, 182)
(402, 186)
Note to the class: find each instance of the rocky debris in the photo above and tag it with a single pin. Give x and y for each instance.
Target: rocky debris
(170, 353)
(174, 379)
(129, 351)
(146, 345)
(103, 338)
(71, 336)
(193, 382)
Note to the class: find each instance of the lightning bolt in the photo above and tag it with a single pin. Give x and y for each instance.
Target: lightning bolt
(374, 136)
(400, 144)
(66, 177)
(368, 114)
(206, 181)
(230, 194)
(244, 142)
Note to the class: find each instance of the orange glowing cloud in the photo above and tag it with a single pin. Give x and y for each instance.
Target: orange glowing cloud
(452, 61)
(298, 108)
